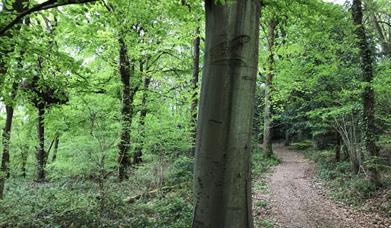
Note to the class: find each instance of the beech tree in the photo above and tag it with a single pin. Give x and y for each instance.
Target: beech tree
(222, 183)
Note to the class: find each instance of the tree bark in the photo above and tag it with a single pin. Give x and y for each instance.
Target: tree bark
(194, 82)
(137, 157)
(39, 7)
(124, 145)
(338, 149)
(222, 182)
(267, 120)
(6, 141)
(287, 140)
(7, 132)
(384, 42)
(41, 154)
(18, 6)
(369, 128)
(55, 149)
(356, 163)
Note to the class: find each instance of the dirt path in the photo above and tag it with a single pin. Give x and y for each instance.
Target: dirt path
(294, 199)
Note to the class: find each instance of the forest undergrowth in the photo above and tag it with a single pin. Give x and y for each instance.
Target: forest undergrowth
(351, 189)
(157, 194)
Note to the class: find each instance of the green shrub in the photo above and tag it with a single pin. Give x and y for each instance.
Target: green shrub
(362, 187)
(261, 163)
(80, 203)
(346, 187)
(328, 174)
(181, 170)
(303, 145)
(266, 223)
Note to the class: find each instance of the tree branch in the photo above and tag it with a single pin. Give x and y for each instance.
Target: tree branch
(40, 7)
(385, 22)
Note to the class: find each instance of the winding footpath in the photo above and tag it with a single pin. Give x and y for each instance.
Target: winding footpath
(295, 200)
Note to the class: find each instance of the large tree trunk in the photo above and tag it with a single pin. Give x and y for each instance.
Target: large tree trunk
(267, 120)
(137, 157)
(124, 145)
(222, 182)
(369, 129)
(194, 98)
(41, 154)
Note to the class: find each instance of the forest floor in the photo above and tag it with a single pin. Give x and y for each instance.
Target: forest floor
(293, 197)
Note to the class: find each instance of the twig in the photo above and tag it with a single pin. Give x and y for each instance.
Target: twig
(40, 7)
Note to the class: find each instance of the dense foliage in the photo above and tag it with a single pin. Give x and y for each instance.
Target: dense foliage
(96, 87)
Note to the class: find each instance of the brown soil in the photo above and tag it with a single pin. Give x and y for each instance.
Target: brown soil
(295, 199)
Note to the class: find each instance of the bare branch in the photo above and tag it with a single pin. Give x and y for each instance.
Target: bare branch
(40, 7)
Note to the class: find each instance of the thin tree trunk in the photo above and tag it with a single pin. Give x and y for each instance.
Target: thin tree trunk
(369, 128)
(194, 98)
(222, 182)
(355, 164)
(338, 149)
(55, 149)
(287, 140)
(41, 154)
(124, 145)
(18, 6)
(384, 43)
(50, 148)
(267, 133)
(6, 141)
(137, 158)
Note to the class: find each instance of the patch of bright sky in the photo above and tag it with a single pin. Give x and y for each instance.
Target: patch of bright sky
(339, 2)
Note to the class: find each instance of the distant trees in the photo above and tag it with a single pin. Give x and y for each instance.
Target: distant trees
(321, 89)
(379, 22)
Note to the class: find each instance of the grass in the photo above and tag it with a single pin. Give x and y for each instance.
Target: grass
(266, 223)
(260, 163)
